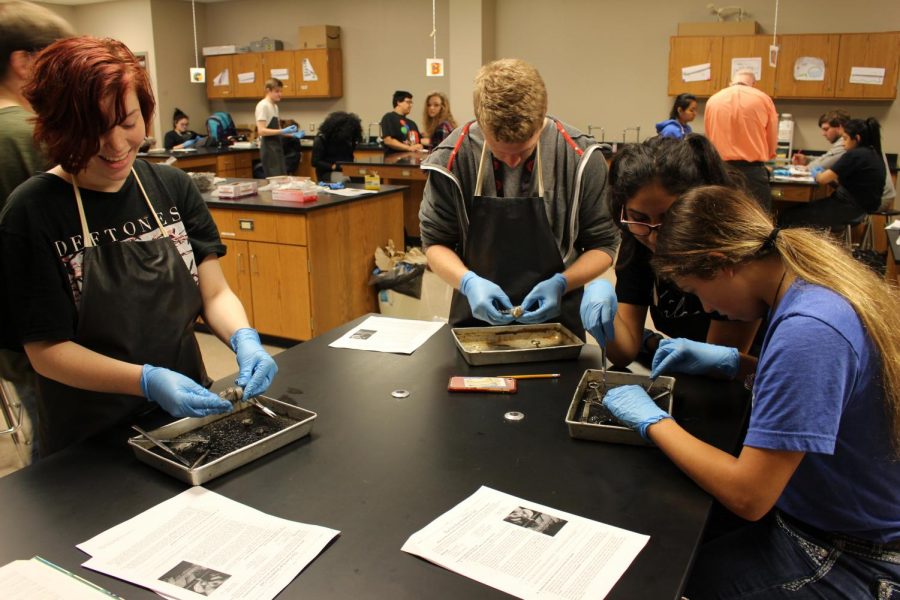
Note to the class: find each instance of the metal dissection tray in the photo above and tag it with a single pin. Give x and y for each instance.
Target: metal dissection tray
(511, 344)
(615, 433)
(293, 424)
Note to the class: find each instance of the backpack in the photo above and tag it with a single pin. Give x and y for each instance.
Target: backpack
(220, 127)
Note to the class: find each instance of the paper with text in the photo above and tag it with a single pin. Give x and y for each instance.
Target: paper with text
(384, 334)
(39, 579)
(527, 549)
(697, 73)
(867, 75)
(200, 542)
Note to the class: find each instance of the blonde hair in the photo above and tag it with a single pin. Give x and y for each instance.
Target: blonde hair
(713, 227)
(430, 124)
(510, 100)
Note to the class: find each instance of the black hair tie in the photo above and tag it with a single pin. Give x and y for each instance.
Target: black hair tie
(770, 241)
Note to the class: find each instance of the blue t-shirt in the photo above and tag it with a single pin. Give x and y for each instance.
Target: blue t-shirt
(818, 390)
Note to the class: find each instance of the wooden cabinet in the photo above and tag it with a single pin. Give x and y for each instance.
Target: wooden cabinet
(314, 73)
(748, 46)
(830, 57)
(220, 69)
(283, 66)
(249, 81)
(320, 73)
(795, 47)
(687, 53)
(872, 50)
(239, 164)
(299, 275)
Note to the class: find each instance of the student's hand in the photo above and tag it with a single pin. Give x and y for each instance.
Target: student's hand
(257, 368)
(799, 159)
(178, 395)
(598, 310)
(289, 130)
(815, 171)
(631, 405)
(681, 355)
(543, 301)
(416, 147)
(299, 134)
(484, 299)
(189, 143)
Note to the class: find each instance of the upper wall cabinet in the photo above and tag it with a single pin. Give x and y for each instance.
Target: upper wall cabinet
(695, 65)
(304, 73)
(863, 57)
(807, 66)
(220, 76)
(861, 66)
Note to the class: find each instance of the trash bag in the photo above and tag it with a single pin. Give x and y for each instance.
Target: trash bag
(404, 278)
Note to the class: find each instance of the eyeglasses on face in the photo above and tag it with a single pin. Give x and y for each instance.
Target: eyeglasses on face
(638, 228)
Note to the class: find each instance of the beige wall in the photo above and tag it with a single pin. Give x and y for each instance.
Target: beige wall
(605, 62)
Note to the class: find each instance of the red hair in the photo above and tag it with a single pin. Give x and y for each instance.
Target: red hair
(72, 78)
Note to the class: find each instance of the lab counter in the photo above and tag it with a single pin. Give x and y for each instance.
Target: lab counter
(224, 162)
(379, 468)
(302, 268)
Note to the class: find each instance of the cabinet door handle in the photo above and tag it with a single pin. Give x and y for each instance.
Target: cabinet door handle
(228, 234)
(405, 173)
(240, 262)
(254, 268)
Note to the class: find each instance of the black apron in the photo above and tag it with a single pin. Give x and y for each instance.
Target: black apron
(138, 304)
(271, 151)
(510, 242)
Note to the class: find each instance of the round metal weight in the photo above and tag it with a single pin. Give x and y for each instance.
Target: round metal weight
(514, 416)
(400, 393)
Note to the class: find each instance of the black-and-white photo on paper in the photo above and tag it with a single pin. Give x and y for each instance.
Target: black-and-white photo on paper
(363, 334)
(535, 520)
(195, 578)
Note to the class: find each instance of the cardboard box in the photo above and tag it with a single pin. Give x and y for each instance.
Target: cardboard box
(433, 305)
(229, 49)
(719, 28)
(320, 36)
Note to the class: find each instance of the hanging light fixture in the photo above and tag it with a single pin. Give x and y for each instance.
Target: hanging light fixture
(198, 73)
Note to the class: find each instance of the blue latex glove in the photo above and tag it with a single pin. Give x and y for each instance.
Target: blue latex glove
(257, 368)
(178, 395)
(289, 130)
(815, 171)
(543, 302)
(486, 299)
(598, 311)
(632, 406)
(299, 134)
(681, 355)
(189, 143)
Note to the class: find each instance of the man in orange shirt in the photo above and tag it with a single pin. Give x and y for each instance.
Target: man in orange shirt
(742, 124)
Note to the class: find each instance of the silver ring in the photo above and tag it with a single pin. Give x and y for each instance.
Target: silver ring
(400, 393)
(514, 416)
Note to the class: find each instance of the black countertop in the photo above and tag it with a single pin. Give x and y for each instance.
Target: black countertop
(263, 200)
(192, 152)
(379, 468)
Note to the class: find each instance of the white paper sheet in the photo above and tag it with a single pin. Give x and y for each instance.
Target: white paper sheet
(309, 74)
(384, 334)
(809, 68)
(697, 72)
(281, 74)
(247, 77)
(527, 549)
(351, 192)
(199, 542)
(221, 79)
(38, 579)
(753, 63)
(867, 75)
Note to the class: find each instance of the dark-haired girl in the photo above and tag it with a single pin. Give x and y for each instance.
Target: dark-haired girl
(819, 471)
(338, 136)
(645, 180)
(180, 137)
(684, 110)
(858, 177)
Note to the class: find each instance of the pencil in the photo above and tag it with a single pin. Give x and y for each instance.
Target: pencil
(532, 376)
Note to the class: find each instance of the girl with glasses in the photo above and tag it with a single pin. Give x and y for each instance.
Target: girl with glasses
(645, 180)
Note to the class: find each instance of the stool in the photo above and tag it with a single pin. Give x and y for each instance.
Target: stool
(867, 241)
(12, 411)
(863, 221)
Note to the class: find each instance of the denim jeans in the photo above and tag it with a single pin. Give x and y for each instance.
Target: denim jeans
(774, 559)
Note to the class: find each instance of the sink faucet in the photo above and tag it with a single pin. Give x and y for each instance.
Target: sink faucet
(591, 128)
(637, 133)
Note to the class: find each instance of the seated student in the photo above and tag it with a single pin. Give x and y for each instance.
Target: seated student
(337, 139)
(859, 176)
(399, 132)
(438, 119)
(684, 110)
(644, 181)
(818, 472)
(180, 137)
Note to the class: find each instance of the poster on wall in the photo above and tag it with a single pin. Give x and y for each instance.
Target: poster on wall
(753, 63)
(434, 67)
(809, 68)
(696, 73)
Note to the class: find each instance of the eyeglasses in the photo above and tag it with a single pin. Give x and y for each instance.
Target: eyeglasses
(638, 228)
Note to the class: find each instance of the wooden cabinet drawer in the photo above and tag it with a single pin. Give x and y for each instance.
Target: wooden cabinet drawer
(225, 162)
(278, 228)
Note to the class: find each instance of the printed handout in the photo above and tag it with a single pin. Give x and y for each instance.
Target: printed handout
(384, 334)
